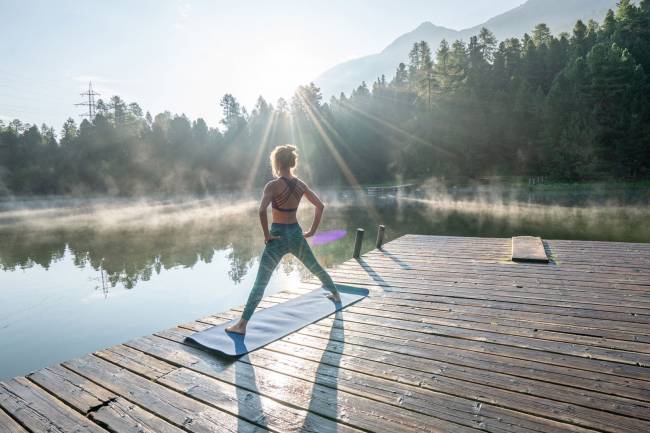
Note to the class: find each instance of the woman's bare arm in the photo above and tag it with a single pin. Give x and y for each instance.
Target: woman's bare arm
(267, 196)
(318, 204)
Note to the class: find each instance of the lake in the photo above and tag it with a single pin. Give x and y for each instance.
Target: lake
(77, 275)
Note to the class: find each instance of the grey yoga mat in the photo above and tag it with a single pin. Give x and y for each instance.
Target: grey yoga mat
(277, 321)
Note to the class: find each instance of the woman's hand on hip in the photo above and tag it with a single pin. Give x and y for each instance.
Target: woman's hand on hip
(308, 234)
(269, 238)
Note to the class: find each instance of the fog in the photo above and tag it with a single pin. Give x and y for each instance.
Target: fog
(122, 214)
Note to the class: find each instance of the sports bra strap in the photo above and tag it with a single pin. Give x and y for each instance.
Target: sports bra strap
(292, 188)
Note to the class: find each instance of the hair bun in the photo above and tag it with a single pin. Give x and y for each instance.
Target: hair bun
(283, 158)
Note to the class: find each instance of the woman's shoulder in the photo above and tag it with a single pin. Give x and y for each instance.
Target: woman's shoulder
(302, 184)
(271, 185)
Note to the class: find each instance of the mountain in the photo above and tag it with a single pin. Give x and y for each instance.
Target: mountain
(559, 15)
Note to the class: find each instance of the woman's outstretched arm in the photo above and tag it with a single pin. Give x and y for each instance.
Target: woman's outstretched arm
(318, 204)
(267, 196)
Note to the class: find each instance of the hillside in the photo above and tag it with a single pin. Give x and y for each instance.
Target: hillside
(559, 15)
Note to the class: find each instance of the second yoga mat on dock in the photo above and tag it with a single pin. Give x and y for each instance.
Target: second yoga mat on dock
(276, 322)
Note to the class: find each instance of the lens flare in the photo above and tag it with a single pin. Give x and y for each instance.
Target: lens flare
(328, 237)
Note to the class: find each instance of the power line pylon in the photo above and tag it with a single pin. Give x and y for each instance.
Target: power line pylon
(92, 108)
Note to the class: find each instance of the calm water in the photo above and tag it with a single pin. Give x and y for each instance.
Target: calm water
(77, 276)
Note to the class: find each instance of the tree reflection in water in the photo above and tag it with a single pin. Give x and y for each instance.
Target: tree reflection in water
(129, 251)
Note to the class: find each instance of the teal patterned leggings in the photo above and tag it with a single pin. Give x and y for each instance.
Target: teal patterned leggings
(291, 241)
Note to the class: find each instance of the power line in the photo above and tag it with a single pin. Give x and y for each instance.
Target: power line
(92, 108)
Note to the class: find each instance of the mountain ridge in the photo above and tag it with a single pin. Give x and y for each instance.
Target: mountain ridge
(559, 15)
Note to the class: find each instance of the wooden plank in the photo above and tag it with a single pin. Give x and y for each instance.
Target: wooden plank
(135, 361)
(610, 259)
(175, 408)
(567, 324)
(588, 332)
(407, 259)
(39, 411)
(562, 377)
(630, 314)
(562, 369)
(327, 369)
(499, 327)
(429, 373)
(8, 425)
(336, 385)
(240, 398)
(320, 401)
(498, 363)
(73, 389)
(629, 305)
(588, 318)
(520, 287)
(553, 276)
(122, 416)
(487, 334)
(467, 252)
(101, 405)
(485, 302)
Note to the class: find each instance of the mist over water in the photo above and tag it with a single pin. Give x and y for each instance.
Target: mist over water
(117, 214)
(77, 275)
(601, 212)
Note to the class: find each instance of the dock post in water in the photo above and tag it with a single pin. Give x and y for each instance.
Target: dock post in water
(358, 240)
(380, 236)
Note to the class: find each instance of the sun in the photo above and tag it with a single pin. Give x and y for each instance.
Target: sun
(285, 64)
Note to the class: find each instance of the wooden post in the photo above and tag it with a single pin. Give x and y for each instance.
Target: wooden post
(358, 240)
(380, 236)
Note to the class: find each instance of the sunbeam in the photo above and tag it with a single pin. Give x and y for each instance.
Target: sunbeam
(296, 132)
(398, 130)
(350, 177)
(261, 150)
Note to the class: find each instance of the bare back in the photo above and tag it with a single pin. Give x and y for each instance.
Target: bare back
(286, 195)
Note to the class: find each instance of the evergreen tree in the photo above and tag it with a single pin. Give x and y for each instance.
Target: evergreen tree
(401, 76)
(570, 106)
(231, 112)
(487, 44)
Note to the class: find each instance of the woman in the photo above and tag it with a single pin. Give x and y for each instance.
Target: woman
(286, 236)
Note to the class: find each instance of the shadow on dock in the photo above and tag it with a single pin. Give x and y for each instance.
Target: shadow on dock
(328, 372)
(394, 258)
(249, 404)
(373, 274)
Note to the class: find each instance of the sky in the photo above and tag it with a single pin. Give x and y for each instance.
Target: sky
(184, 55)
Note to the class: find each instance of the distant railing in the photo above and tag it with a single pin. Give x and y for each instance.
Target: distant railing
(537, 180)
(379, 190)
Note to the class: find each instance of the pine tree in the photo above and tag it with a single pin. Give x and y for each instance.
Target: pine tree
(231, 111)
(441, 69)
(542, 35)
(487, 44)
(401, 76)
(458, 63)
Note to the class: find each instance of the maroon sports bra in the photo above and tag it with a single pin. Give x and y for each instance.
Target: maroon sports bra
(291, 188)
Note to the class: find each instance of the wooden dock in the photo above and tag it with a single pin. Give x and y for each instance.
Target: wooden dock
(454, 337)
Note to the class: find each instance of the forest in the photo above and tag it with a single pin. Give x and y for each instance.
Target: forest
(571, 107)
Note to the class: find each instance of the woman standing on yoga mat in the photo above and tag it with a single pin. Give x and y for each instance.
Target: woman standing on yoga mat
(286, 236)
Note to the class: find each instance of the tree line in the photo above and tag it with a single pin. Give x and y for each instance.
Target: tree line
(569, 106)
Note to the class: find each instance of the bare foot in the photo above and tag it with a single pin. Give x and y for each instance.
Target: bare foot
(334, 297)
(238, 328)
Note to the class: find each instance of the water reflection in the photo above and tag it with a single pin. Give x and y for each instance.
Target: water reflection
(127, 253)
(126, 257)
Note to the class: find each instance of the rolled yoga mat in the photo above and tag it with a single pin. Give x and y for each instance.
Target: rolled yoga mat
(277, 321)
